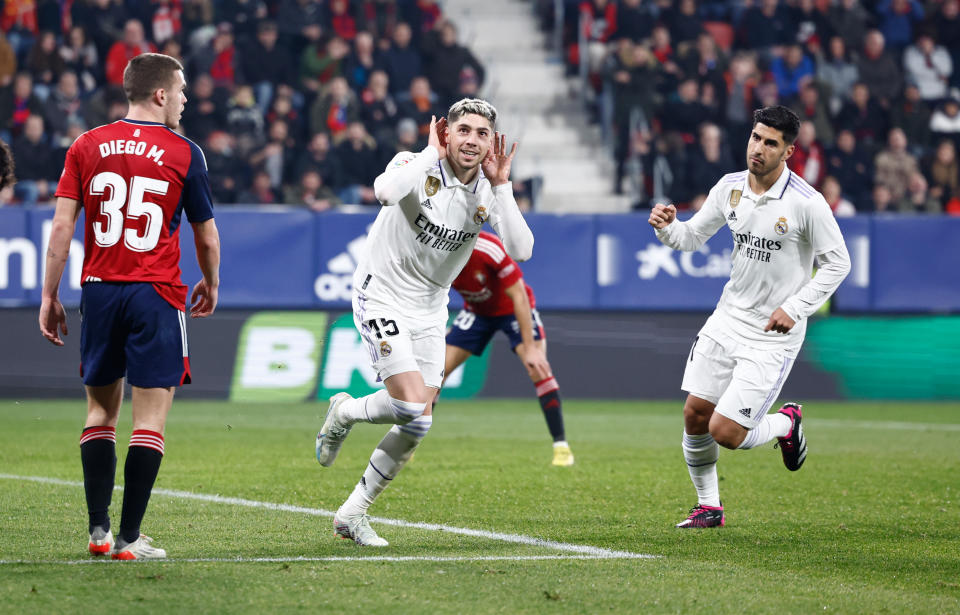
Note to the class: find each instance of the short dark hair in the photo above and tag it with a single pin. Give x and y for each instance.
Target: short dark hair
(147, 73)
(780, 118)
(6, 166)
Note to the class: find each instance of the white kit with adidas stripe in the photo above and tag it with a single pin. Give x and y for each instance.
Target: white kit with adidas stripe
(419, 243)
(776, 236)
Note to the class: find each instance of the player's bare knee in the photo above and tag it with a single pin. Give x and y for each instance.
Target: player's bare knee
(727, 433)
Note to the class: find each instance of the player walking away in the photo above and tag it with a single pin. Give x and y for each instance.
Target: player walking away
(744, 352)
(434, 204)
(496, 298)
(133, 179)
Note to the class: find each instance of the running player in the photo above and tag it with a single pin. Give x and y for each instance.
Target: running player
(744, 352)
(133, 179)
(434, 204)
(496, 298)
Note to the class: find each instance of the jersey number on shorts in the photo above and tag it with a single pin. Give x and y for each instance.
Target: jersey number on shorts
(464, 320)
(108, 233)
(389, 327)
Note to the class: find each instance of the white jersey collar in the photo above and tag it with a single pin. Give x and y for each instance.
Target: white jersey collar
(450, 178)
(773, 192)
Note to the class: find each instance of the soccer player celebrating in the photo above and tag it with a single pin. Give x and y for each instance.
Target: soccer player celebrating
(496, 298)
(434, 204)
(133, 179)
(744, 352)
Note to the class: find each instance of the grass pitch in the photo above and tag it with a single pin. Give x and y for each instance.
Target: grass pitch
(869, 525)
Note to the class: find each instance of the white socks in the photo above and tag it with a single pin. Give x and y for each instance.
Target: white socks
(772, 426)
(380, 408)
(701, 453)
(387, 460)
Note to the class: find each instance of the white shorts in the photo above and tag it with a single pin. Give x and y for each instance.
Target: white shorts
(742, 381)
(399, 343)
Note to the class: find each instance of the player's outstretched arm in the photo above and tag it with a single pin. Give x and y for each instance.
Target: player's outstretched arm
(662, 215)
(53, 320)
(529, 352)
(405, 172)
(203, 300)
(691, 234)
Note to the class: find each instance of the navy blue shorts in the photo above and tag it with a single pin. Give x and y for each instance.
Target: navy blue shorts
(472, 332)
(129, 329)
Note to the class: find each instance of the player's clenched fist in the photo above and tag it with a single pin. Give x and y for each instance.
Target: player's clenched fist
(661, 215)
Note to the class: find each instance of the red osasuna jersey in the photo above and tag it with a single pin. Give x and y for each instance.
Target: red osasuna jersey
(485, 277)
(134, 180)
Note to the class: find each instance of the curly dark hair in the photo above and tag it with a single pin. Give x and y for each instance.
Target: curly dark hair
(6, 166)
(781, 118)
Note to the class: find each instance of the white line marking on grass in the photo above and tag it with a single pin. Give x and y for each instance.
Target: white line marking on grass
(895, 425)
(332, 558)
(586, 550)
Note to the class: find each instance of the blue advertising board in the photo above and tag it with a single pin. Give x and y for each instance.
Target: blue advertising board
(288, 258)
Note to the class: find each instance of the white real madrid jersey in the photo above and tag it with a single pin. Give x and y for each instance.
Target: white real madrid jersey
(426, 230)
(775, 236)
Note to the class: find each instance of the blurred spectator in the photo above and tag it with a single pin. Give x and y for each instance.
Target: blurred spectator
(836, 73)
(408, 137)
(917, 199)
(598, 22)
(321, 61)
(895, 165)
(283, 109)
(219, 59)
(264, 64)
(63, 106)
(101, 20)
(943, 172)
(791, 71)
(45, 64)
(863, 115)
(319, 157)
(765, 26)
(897, 19)
(928, 66)
(913, 116)
(448, 60)
(401, 61)
(334, 109)
(706, 62)
(165, 20)
(947, 25)
(882, 199)
(312, 192)
(879, 70)
(850, 20)
(106, 105)
(277, 156)
(945, 121)
(683, 21)
(686, 111)
(260, 192)
(80, 56)
(853, 168)
(206, 108)
(244, 120)
(245, 15)
(378, 111)
(341, 21)
(708, 160)
(300, 23)
(832, 194)
(75, 128)
(8, 61)
(419, 104)
(197, 14)
(360, 159)
(223, 167)
(17, 103)
(632, 73)
(363, 60)
(742, 80)
(811, 108)
(122, 51)
(813, 28)
(808, 160)
(36, 177)
(635, 20)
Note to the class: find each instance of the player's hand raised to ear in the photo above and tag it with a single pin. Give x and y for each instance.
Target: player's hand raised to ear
(438, 135)
(496, 164)
(661, 215)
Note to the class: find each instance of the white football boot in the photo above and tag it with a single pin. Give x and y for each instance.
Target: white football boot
(357, 528)
(333, 432)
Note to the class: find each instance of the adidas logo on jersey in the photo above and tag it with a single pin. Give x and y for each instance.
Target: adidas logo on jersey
(426, 204)
(745, 412)
(732, 216)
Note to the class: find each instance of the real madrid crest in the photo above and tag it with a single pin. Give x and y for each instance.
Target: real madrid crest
(781, 226)
(481, 215)
(385, 349)
(432, 185)
(735, 198)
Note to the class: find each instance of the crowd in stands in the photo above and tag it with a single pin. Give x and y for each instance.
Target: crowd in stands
(293, 101)
(876, 84)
